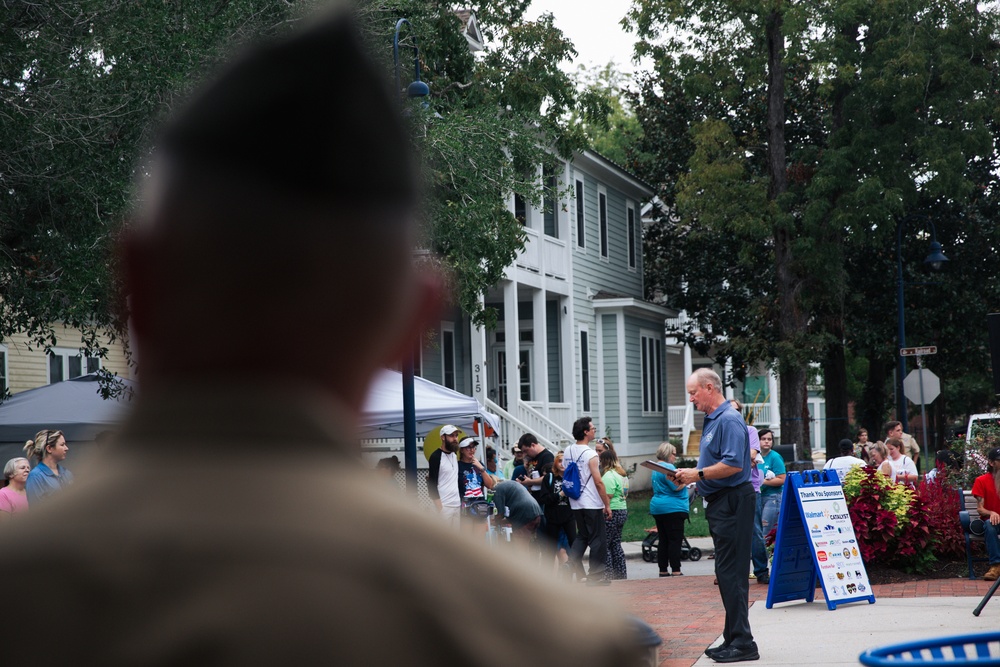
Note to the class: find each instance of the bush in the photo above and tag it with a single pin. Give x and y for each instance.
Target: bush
(896, 526)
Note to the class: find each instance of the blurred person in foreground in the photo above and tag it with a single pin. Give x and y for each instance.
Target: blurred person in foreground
(172, 552)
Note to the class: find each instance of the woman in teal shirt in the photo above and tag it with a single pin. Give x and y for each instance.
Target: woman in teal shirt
(669, 508)
(616, 483)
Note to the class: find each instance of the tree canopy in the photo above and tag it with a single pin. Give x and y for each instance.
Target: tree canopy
(84, 84)
(791, 139)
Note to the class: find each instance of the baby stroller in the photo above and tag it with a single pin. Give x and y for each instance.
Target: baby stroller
(651, 544)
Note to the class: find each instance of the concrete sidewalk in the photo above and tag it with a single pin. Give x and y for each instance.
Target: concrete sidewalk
(687, 614)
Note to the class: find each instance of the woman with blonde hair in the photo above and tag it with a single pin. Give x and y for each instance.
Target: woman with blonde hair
(616, 484)
(880, 458)
(13, 498)
(48, 476)
(669, 508)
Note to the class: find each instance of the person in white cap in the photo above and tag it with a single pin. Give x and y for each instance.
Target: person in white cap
(442, 476)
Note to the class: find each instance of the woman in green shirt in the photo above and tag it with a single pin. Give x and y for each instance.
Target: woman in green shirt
(616, 483)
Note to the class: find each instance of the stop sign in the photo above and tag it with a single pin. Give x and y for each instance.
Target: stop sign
(911, 386)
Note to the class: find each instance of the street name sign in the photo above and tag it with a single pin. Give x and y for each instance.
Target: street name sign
(917, 351)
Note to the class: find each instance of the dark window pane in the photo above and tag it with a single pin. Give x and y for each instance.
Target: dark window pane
(448, 349)
(603, 203)
(549, 203)
(631, 238)
(585, 370)
(520, 209)
(581, 223)
(93, 364)
(55, 368)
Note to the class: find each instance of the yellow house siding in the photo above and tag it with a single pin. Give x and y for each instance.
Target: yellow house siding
(27, 365)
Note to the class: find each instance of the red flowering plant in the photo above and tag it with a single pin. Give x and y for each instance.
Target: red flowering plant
(890, 521)
(941, 503)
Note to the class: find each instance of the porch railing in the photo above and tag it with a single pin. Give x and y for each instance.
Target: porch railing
(527, 420)
(541, 425)
(554, 257)
(528, 259)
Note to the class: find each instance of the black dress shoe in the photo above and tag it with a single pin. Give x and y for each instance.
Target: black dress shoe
(715, 649)
(764, 578)
(736, 654)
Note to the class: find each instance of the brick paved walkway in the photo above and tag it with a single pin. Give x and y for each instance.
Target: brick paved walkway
(687, 611)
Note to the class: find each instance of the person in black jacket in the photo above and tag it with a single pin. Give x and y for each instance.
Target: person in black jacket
(559, 529)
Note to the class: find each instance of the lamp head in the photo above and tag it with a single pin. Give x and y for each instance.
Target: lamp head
(417, 89)
(936, 258)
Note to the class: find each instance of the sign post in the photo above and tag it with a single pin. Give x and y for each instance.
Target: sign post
(922, 386)
(816, 539)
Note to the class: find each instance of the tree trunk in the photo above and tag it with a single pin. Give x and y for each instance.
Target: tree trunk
(835, 391)
(835, 362)
(874, 401)
(791, 321)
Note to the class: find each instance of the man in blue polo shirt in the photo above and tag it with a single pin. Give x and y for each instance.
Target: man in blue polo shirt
(723, 478)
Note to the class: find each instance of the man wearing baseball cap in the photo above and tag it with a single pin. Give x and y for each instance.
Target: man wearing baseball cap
(442, 476)
(472, 477)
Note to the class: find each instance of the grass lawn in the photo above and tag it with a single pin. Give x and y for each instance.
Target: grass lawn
(639, 519)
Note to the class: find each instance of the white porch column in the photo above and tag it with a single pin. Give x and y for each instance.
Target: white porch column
(477, 344)
(511, 345)
(598, 412)
(540, 352)
(567, 361)
(622, 384)
(772, 392)
(688, 369)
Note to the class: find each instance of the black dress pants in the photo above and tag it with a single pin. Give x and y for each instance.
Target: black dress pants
(730, 520)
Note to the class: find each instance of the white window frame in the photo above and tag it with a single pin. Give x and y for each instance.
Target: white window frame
(5, 377)
(449, 328)
(652, 387)
(580, 200)
(603, 237)
(631, 235)
(66, 353)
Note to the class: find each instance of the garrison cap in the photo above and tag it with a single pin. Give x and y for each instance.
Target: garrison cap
(307, 116)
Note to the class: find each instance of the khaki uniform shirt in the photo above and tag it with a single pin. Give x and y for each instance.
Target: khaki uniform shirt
(232, 528)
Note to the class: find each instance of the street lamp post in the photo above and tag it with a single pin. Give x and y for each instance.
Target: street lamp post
(935, 259)
(416, 89)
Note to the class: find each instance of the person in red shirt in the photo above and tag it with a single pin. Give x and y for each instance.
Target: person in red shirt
(986, 489)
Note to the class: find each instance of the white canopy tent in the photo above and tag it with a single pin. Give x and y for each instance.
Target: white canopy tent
(382, 416)
(77, 408)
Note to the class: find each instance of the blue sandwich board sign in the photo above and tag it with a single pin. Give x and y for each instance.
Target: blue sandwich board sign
(816, 539)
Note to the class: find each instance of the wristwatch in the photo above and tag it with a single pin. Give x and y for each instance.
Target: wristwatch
(701, 474)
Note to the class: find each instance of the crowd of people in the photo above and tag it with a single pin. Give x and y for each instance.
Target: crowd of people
(527, 496)
(25, 485)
